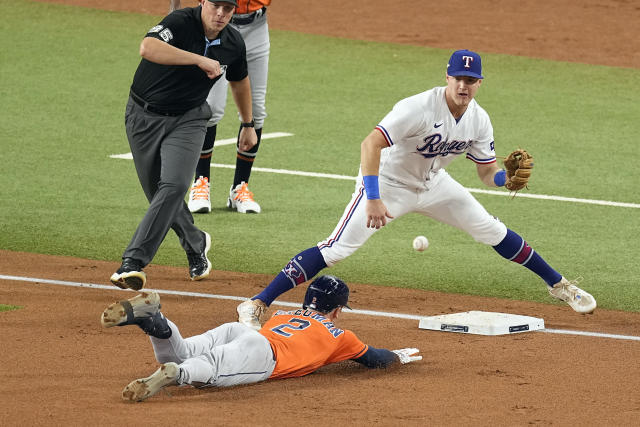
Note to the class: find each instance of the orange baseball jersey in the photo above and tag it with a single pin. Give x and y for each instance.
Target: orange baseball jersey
(249, 6)
(305, 340)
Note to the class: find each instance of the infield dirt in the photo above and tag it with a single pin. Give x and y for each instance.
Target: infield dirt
(60, 367)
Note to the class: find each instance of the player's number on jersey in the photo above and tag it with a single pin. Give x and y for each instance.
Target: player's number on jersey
(294, 324)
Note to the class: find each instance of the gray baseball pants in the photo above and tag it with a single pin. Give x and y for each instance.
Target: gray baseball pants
(228, 355)
(256, 40)
(165, 152)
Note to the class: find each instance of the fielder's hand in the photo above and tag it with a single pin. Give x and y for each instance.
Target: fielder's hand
(377, 213)
(518, 165)
(406, 355)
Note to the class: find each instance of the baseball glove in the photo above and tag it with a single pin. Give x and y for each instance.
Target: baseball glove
(518, 166)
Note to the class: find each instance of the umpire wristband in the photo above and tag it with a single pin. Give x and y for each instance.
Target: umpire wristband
(371, 186)
(500, 178)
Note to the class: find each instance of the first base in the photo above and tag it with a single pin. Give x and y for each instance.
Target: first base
(482, 323)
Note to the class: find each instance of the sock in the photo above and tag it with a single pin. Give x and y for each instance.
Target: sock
(514, 248)
(155, 325)
(301, 268)
(203, 168)
(244, 161)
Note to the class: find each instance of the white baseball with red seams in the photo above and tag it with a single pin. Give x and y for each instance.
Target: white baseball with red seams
(420, 243)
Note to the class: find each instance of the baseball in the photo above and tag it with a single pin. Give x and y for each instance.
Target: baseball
(420, 243)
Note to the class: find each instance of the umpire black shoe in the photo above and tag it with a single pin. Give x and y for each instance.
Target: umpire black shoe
(142, 310)
(129, 275)
(199, 264)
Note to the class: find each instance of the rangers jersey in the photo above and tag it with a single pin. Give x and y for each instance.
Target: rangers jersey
(423, 137)
(305, 340)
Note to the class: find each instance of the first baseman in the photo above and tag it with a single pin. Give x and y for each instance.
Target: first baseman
(402, 170)
(291, 344)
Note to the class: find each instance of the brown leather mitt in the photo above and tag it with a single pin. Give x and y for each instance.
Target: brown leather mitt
(518, 166)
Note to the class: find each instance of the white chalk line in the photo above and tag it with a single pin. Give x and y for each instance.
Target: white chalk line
(228, 141)
(472, 190)
(288, 304)
(128, 156)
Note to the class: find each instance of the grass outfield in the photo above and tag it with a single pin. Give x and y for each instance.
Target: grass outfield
(65, 75)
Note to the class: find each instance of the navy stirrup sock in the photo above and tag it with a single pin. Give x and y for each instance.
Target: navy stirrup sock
(515, 248)
(301, 268)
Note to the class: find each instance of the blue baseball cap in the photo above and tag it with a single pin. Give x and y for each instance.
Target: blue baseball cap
(465, 63)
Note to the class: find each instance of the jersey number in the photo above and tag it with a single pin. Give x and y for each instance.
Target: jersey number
(294, 323)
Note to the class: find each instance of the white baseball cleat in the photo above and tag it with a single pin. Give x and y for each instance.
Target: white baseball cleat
(199, 200)
(581, 301)
(144, 388)
(241, 199)
(249, 313)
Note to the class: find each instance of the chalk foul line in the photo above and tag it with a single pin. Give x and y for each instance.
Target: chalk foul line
(128, 156)
(228, 141)
(288, 304)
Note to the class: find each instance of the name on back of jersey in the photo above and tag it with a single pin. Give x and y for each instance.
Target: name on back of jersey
(314, 315)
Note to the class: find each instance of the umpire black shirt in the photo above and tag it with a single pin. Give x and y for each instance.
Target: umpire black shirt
(183, 87)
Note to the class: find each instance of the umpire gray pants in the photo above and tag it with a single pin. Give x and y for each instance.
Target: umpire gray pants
(165, 151)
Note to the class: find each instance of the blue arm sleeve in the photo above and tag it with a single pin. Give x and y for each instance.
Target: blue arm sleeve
(377, 358)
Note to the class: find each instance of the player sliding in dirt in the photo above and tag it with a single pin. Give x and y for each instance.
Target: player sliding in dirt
(291, 344)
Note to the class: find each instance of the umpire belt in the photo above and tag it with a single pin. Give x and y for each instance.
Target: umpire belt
(156, 110)
(249, 17)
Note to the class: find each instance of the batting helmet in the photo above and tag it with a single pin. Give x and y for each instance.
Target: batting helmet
(326, 293)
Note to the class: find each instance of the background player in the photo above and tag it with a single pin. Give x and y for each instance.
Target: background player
(250, 19)
(402, 171)
(165, 120)
(291, 344)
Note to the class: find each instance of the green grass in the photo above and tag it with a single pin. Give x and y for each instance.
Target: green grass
(64, 93)
(5, 307)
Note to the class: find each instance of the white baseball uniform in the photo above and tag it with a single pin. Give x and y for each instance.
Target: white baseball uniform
(423, 137)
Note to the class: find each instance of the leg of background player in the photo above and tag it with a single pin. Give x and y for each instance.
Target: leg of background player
(199, 196)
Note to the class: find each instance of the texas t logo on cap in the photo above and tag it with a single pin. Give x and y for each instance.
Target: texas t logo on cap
(465, 63)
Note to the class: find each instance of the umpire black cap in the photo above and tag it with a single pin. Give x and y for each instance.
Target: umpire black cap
(326, 293)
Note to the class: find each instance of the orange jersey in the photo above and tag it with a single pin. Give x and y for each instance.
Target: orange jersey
(305, 340)
(249, 6)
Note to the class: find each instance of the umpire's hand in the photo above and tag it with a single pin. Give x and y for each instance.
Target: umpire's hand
(210, 66)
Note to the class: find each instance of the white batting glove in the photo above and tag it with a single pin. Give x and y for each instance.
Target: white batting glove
(406, 355)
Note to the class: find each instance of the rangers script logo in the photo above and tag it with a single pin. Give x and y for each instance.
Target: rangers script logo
(434, 146)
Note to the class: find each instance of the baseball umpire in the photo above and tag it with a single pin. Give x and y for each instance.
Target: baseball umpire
(402, 171)
(250, 19)
(165, 120)
(291, 344)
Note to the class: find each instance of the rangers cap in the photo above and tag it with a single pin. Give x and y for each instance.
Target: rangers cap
(465, 63)
(233, 2)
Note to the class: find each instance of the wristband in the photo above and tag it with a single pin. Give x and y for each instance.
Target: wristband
(371, 186)
(248, 124)
(500, 178)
